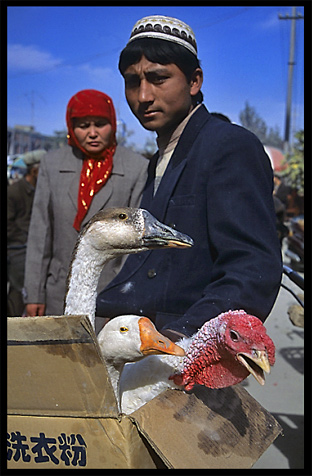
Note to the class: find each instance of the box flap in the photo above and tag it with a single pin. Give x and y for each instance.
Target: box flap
(55, 368)
(205, 428)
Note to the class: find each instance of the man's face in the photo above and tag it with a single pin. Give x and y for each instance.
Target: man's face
(158, 95)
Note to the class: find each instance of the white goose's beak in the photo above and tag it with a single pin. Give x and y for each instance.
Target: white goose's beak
(152, 342)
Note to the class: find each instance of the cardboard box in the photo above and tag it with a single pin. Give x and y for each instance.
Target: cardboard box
(62, 412)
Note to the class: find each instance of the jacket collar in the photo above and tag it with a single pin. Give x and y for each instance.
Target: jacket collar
(158, 204)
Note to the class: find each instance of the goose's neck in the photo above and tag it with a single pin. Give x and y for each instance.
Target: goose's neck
(85, 270)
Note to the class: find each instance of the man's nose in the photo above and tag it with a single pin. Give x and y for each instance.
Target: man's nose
(145, 92)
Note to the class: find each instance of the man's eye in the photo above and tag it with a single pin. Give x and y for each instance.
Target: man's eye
(132, 82)
(159, 79)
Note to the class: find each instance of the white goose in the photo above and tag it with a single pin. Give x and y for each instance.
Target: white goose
(129, 339)
(109, 234)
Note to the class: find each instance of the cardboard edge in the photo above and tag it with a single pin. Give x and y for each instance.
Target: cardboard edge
(86, 324)
(150, 442)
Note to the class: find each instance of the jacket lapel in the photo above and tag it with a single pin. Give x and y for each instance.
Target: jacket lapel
(70, 166)
(157, 205)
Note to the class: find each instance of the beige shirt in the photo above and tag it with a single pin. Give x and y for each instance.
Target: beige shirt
(166, 146)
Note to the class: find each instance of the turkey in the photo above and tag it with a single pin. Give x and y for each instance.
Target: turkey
(222, 353)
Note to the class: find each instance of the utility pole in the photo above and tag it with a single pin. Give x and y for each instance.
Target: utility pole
(291, 62)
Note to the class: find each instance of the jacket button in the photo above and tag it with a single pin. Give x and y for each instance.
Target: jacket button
(151, 273)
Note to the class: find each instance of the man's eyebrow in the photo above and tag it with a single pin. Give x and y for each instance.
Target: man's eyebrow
(154, 71)
(130, 75)
(157, 72)
(158, 69)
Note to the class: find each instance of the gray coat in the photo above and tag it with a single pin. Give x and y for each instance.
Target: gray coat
(52, 237)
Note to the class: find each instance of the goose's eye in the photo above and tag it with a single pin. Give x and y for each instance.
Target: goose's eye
(123, 216)
(123, 329)
(234, 336)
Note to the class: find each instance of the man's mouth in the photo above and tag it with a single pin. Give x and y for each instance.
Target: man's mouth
(149, 113)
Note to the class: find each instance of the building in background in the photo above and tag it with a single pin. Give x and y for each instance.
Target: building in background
(21, 139)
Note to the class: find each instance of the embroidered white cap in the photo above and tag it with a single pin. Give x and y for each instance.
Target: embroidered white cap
(165, 28)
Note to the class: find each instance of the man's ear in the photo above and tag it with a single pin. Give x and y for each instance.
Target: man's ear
(196, 81)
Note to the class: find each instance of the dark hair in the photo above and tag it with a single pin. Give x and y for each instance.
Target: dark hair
(162, 52)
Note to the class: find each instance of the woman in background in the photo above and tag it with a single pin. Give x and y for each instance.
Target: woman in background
(74, 183)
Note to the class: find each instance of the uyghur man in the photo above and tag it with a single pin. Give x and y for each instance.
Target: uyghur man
(210, 178)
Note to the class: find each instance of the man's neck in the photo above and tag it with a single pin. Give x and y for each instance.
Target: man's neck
(165, 137)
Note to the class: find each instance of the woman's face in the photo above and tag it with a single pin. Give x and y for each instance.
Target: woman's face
(93, 133)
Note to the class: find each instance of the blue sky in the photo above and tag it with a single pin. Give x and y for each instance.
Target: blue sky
(54, 51)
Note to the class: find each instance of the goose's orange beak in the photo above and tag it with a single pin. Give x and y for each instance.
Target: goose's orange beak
(152, 342)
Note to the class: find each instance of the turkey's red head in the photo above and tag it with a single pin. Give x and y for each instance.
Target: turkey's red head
(226, 350)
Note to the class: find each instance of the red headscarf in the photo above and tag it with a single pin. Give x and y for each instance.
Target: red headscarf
(95, 172)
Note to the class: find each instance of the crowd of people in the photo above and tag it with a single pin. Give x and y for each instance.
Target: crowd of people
(210, 179)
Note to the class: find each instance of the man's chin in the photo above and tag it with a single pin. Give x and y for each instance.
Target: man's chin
(149, 125)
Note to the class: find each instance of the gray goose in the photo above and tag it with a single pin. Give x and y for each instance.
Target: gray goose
(110, 233)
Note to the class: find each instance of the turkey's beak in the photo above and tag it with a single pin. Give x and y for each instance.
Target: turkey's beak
(257, 363)
(152, 342)
(158, 235)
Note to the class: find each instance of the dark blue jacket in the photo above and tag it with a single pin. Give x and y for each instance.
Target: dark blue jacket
(217, 189)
